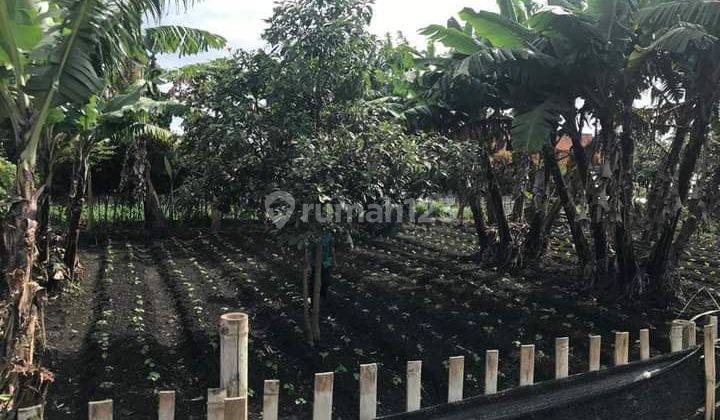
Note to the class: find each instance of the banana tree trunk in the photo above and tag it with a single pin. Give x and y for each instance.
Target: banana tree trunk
(154, 217)
(706, 202)
(74, 211)
(535, 238)
(624, 244)
(479, 220)
(506, 250)
(581, 245)
(23, 380)
(660, 263)
(665, 176)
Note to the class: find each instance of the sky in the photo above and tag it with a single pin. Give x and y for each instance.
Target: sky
(242, 21)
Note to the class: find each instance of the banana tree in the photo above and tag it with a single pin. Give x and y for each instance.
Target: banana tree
(51, 52)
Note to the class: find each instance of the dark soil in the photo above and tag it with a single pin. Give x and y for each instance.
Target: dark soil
(144, 318)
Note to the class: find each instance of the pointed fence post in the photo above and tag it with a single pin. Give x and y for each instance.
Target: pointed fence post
(322, 404)
(562, 356)
(594, 358)
(166, 405)
(216, 403)
(368, 391)
(491, 371)
(30, 413)
(527, 364)
(234, 328)
(100, 410)
(710, 372)
(622, 344)
(456, 378)
(271, 399)
(414, 385)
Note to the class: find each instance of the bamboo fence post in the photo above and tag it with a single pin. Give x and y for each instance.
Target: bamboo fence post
(456, 378)
(322, 404)
(491, 371)
(562, 355)
(271, 397)
(236, 408)
(527, 364)
(676, 337)
(690, 334)
(368, 391)
(30, 413)
(216, 403)
(414, 385)
(622, 344)
(234, 329)
(100, 410)
(166, 405)
(594, 360)
(644, 344)
(710, 373)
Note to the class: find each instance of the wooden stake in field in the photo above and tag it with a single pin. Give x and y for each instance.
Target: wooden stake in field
(271, 400)
(235, 408)
(622, 344)
(30, 413)
(100, 410)
(562, 355)
(491, 371)
(216, 403)
(414, 381)
(710, 373)
(594, 357)
(166, 405)
(527, 364)
(368, 391)
(234, 328)
(456, 378)
(322, 404)
(676, 337)
(644, 344)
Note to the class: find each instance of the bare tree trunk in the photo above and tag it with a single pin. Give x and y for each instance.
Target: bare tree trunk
(317, 287)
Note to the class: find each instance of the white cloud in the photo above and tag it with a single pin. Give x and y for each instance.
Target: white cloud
(242, 22)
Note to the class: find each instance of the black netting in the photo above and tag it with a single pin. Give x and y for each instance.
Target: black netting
(670, 387)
